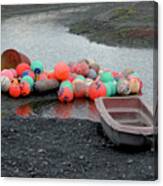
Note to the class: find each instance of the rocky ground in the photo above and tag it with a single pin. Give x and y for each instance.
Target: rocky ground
(68, 149)
(72, 148)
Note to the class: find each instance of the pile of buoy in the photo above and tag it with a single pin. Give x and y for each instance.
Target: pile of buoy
(73, 80)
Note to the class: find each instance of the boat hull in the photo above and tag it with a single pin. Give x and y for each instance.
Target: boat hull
(115, 110)
(122, 138)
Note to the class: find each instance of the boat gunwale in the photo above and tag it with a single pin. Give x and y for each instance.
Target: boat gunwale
(148, 130)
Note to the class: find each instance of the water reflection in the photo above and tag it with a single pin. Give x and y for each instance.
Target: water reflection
(24, 110)
(80, 109)
(63, 111)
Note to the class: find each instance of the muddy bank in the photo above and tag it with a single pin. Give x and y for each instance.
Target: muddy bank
(130, 24)
(120, 24)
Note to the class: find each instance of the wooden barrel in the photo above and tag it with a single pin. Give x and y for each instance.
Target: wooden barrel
(10, 58)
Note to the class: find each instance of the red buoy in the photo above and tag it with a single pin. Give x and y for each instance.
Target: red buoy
(65, 95)
(72, 67)
(51, 75)
(97, 89)
(24, 88)
(14, 90)
(21, 68)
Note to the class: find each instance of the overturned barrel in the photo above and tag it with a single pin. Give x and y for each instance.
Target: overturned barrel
(10, 58)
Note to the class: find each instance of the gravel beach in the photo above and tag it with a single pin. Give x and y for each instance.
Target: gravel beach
(66, 148)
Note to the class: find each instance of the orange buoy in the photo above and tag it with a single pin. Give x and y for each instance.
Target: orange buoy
(134, 85)
(65, 95)
(62, 71)
(97, 89)
(24, 88)
(21, 68)
(14, 90)
(132, 76)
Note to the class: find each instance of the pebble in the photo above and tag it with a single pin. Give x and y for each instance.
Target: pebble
(41, 150)
(45, 162)
(61, 171)
(12, 130)
(152, 149)
(53, 142)
(130, 161)
(38, 137)
(81, 157)
(17, 170)
(108, 164)
(149, 167)
(123, 175)
(30, 169)
(68, 163)
(13, 163)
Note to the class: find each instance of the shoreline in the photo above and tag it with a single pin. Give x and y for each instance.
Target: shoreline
(113, 24)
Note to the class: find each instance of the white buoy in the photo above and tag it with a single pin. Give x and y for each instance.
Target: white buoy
(5, 83)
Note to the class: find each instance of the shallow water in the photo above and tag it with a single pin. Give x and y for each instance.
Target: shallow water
(42, 36)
